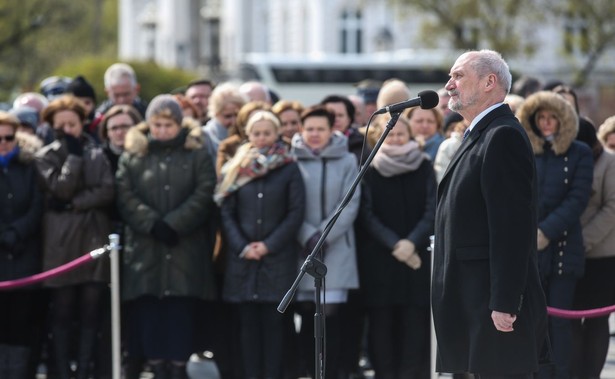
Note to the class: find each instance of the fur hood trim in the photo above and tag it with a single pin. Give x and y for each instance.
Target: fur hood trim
(28, 144)
(568, 121)
(137, 141)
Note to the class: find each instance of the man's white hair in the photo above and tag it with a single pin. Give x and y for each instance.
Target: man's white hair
(118, 73)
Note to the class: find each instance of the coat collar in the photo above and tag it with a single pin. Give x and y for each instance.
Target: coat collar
(474, 135)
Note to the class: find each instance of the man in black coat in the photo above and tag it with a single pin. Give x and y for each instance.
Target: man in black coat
(488, 306)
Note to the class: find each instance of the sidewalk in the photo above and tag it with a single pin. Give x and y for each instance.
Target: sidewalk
(609, 368)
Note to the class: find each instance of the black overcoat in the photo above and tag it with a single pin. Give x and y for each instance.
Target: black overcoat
(485, 253)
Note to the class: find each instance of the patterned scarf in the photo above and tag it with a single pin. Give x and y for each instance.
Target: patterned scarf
(393, 160)
(248, 164)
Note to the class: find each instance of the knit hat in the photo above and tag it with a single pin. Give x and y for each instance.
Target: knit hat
(165, 105)
(27, 116)
(81, 88)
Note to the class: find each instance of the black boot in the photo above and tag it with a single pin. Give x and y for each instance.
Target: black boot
(178, 371)
(17, 362)
(133, 368)
(87, 341)
(4, 361)
(60, 352)
(160, 370)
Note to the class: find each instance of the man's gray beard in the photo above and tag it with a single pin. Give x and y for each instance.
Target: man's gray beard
(455, 106)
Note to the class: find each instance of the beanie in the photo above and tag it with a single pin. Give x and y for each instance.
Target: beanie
(27, 116)
(81, 88)
(165, 105)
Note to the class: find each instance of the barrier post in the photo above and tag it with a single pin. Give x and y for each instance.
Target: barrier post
(434, 374)
(114, 246)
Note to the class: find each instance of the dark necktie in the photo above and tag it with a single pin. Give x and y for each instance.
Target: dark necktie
(465, 134)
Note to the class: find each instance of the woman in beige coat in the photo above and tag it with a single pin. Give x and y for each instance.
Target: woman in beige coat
(78, 187)
(597, 288)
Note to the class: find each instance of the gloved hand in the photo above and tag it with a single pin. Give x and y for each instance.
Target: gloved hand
(73, 145)
(8, 239)
(164, 233)
(542, 241)
(59, 205)
(405, 251)
(311, 244)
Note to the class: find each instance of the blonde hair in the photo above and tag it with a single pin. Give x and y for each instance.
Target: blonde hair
(607, 128)
(230, 170)
(10, 120)
(226, 93)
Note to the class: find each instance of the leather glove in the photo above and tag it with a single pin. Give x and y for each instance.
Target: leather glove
(541, 241)
(8, 239)
(59, 205)
(311, 244)
(73, 145)
(162, 232)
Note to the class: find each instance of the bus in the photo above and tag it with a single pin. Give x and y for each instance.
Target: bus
(309, 78)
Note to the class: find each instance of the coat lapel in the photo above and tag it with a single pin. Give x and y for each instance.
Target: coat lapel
(472, 139)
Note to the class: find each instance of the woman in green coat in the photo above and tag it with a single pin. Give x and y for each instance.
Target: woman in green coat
(165, 185)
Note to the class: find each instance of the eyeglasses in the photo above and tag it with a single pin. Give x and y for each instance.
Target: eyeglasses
(115, 128)
(9, 138)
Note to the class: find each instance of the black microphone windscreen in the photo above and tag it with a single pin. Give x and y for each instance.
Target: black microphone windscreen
(429, 99)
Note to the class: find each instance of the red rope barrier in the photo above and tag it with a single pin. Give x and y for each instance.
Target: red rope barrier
(27, 281)
(575, 314)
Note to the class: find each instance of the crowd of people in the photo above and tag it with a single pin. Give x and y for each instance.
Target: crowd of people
(219, 192)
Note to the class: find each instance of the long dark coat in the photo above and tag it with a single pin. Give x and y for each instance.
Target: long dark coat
(173, 181)
(87, 182)
(268, 209)
(485, 253)
(394, 208)
(565, 172)
(21, 208)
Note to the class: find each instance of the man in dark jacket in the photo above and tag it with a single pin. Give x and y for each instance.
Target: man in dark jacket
(488, 306)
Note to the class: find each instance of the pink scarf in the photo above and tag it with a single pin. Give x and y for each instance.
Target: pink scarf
(393, 160)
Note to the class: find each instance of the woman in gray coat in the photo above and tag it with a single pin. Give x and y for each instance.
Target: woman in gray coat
(328, 170)
(79, 186)
(165, 183)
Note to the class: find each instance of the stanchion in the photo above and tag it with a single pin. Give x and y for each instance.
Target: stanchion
(114, 246)
(432, 332)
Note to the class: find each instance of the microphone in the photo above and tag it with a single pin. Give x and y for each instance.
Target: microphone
(427, 99)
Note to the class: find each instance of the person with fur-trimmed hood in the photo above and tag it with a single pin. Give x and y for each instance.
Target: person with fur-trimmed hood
(21, 210)
(165, 183)
(564, 170)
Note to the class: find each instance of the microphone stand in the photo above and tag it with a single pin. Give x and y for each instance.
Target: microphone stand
(317, 269)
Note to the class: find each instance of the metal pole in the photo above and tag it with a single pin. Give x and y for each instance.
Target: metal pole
(114, 245)
(434, 374)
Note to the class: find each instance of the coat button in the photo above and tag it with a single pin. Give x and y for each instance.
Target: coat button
(561, 253)
(259, 221)
(167, 293)
(559, 272)
(565, 181)
(565, 169)
(168, 256)
(260, 195)
(167, 187)
(9, 195)
(560, 264)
